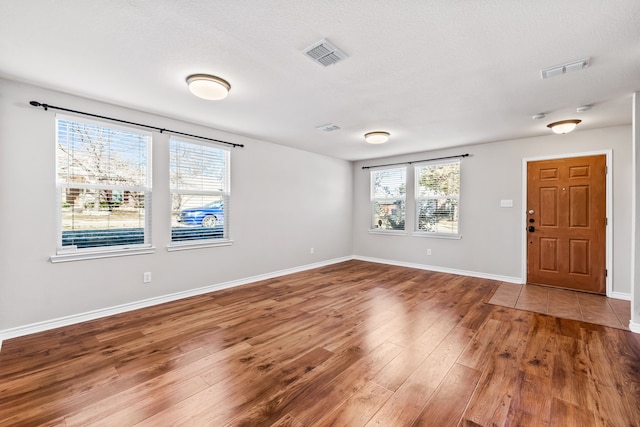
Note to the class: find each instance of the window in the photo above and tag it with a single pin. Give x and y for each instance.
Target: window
(437, 198)
(199, 174)
(388, 189)
(103, 186)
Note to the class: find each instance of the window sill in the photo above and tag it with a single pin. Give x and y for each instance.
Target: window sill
(178, 246)
(389, 232)
(84, 255)
(437, 235)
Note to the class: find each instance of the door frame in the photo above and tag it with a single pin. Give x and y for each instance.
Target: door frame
(609, 209)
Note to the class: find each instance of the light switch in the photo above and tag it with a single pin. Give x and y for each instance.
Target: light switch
(506, 203)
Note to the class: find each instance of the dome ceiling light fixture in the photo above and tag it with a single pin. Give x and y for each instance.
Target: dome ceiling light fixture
(377, 137)
(564, 126)
(209, 87)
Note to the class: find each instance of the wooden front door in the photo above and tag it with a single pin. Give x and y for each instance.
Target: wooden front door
(566, 223)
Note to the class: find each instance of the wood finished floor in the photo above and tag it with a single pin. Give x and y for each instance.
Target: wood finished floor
(350, 344)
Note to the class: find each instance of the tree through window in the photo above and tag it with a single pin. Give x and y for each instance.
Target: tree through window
(388, 190)
(104, 185)
(437, 197)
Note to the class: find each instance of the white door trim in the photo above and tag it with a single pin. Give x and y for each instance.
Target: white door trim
(609, 196)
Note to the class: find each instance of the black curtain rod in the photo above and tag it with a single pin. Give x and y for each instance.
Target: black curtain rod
(161, 130)
(416, 161)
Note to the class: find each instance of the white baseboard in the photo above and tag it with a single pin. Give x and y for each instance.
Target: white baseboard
(96, 314)
(634, 327)
(517, 280)
(620, 295)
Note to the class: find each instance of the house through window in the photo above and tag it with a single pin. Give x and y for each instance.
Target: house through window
(104, 186)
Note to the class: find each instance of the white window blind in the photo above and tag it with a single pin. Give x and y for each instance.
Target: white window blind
(200, 191)
(388, 190)
(437, 198)
(104, 186)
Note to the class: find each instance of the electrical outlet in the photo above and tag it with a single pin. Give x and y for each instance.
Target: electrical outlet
(428, 251)
(312, 251)
(147, 277)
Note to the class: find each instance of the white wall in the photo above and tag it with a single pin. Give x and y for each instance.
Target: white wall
(491, 243)
(284, 201)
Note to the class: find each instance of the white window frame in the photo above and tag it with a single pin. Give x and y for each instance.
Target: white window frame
(385, 200)
(418, 199)
(224, 194)
(72, 253)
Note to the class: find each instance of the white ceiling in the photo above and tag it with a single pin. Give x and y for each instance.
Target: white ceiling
(433, 73)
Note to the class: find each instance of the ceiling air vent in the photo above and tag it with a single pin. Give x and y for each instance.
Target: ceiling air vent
(324, 53)
(559, 70)
(330, 127)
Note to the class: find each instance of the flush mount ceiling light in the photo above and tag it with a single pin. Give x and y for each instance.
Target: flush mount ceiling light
(563, 126)
(378, 137)
(208, 87)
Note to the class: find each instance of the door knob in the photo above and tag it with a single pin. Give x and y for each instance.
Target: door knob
(531, 229)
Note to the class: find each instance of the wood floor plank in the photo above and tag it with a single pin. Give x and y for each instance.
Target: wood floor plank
(540, 347)
(416, 391)
(28, 403)
(450, 400)
(353, 343)
(133, 405)
(359, 408)
(342, 388)
(566, 414)
(300, 392)
(399, 369)
(501, 379)
(482, 346)
(528, 406)
(287, 421)
(608, 379)
(571, 381)
(475, 317)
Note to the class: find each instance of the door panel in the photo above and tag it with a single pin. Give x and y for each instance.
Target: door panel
(549, 254)
(549, 199)
(566, 207)
(579, 206)
(578, 256)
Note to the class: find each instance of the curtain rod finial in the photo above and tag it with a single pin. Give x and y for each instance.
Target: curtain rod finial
(38, 104)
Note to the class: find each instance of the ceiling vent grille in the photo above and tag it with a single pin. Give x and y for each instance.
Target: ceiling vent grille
(558, 70)
(324, 53)
(330, 127)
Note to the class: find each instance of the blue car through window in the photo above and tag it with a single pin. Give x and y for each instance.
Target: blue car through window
(209, 216)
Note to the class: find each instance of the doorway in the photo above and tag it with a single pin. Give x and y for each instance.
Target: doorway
(566, 223)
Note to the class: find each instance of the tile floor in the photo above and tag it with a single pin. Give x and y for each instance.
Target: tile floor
(565, 304)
